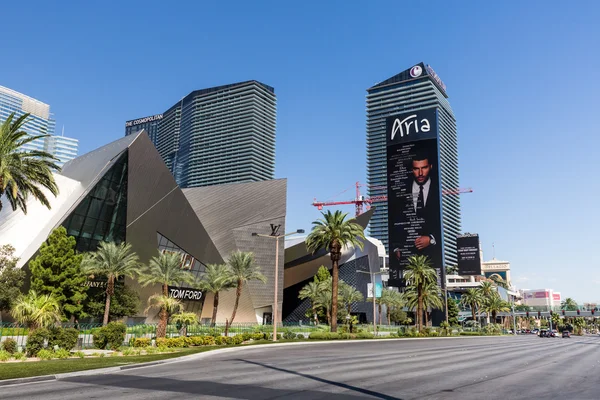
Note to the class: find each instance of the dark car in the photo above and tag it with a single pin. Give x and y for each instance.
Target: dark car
(543, 333)
(566, 334)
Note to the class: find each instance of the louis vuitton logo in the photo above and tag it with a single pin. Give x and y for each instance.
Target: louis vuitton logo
(275, 229)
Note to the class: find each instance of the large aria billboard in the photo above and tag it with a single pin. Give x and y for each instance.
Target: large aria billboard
(467, 247)
(414, 202)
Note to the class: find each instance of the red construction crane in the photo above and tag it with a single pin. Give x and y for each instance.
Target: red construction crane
(361, 200)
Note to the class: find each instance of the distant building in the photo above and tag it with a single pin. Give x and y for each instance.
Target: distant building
(497, 268)
(224, 134)
(541, 299)
(40, 122)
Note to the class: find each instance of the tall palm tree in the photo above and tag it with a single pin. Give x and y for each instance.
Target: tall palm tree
(569, 304)
(36, 311)
(167, 306)
(112, 261)
(387, 299)
(332, 233)
(311, 291)
(396, 302)
(243, 269)
(499, 281)
(488, 291)
(432, 299)
(418, 274)
(184, 319)
(494, 305)
(473, 299)
(165, 269)
(215, 280)
(24, 173)
(349, 295)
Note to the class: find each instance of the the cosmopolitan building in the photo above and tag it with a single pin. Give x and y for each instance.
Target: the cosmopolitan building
(149, 124)
(40, 122)
(414, 89)
(224, 134)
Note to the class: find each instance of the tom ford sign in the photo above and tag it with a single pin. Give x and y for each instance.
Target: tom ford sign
(185, 294)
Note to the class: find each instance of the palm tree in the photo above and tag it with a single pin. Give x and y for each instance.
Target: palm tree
(349, 295)
(498, 281)
(112, 261)
(167, 306)
(242, 269)
(452, 270)
(387, 299)
(184, 319)
(165, 270)
(216, 279)
(36, 311)
(324, 299)
(494, 305)
(432, 299)
(395, 302)
(311, 291)
(487, 290)
(418, 273)
(569, 304)
(24, 173)
(472, 298)
(333, 233)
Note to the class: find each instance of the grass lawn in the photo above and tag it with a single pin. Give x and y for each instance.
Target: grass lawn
(51, 367)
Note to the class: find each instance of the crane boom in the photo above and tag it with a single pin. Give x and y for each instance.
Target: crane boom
(359, 201)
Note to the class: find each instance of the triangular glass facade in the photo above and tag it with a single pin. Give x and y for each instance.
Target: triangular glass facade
(102, 215)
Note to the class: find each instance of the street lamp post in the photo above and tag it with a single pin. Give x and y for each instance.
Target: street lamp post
(275, 303)
(374, 296)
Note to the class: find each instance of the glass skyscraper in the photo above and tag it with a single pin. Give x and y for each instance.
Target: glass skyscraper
(224, 134)
(40, 122)
(414, 89)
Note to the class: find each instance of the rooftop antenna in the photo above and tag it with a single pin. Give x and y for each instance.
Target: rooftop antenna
(63, 131)
(493, 251)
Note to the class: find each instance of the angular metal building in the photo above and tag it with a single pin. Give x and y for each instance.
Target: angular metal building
(123, 192)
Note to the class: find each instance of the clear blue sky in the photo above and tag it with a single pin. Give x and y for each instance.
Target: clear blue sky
(523, 80)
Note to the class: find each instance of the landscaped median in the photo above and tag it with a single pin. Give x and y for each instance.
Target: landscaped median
(46, 351)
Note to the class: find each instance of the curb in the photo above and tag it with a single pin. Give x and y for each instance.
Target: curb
(190, 357)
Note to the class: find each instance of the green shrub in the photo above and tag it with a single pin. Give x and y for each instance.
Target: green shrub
(161, 342)
(79, 354)
(246, 336)
(209, 340)
(142, 342)
(347, 335)
(4, 355)
(163, 349)
(470, 334)
(364, 335)
(300, 336)
(20, 356)
(289, 335)
(197, 340)
(36, 341)
(45, 354)
(238, 339)
(64, 338)
(318, 336)
(62, 353)
(9, 345)
(259, 336)
(110, 336)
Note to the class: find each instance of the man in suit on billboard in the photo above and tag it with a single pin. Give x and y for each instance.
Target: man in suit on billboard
(425, 200)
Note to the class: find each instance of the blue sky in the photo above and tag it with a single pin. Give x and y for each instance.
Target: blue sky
(522, 79)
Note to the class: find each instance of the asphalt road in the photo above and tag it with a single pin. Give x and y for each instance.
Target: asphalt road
(461, 368)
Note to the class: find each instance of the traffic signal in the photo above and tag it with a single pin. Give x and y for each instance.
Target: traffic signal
(539, 314)
(550, 312)
(593, 311)
(527, 314)
(578, 312)
(563, 311)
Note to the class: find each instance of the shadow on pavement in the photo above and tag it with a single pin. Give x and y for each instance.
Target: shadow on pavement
(210, 388)
(327, 381)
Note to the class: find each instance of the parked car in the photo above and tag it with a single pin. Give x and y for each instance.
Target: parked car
(566, 334)
(543, 333)
(535, 331)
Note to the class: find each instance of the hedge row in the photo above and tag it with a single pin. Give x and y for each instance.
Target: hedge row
(336, 335)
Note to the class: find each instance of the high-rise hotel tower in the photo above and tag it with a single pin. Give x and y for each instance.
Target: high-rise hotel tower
(419, 87)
